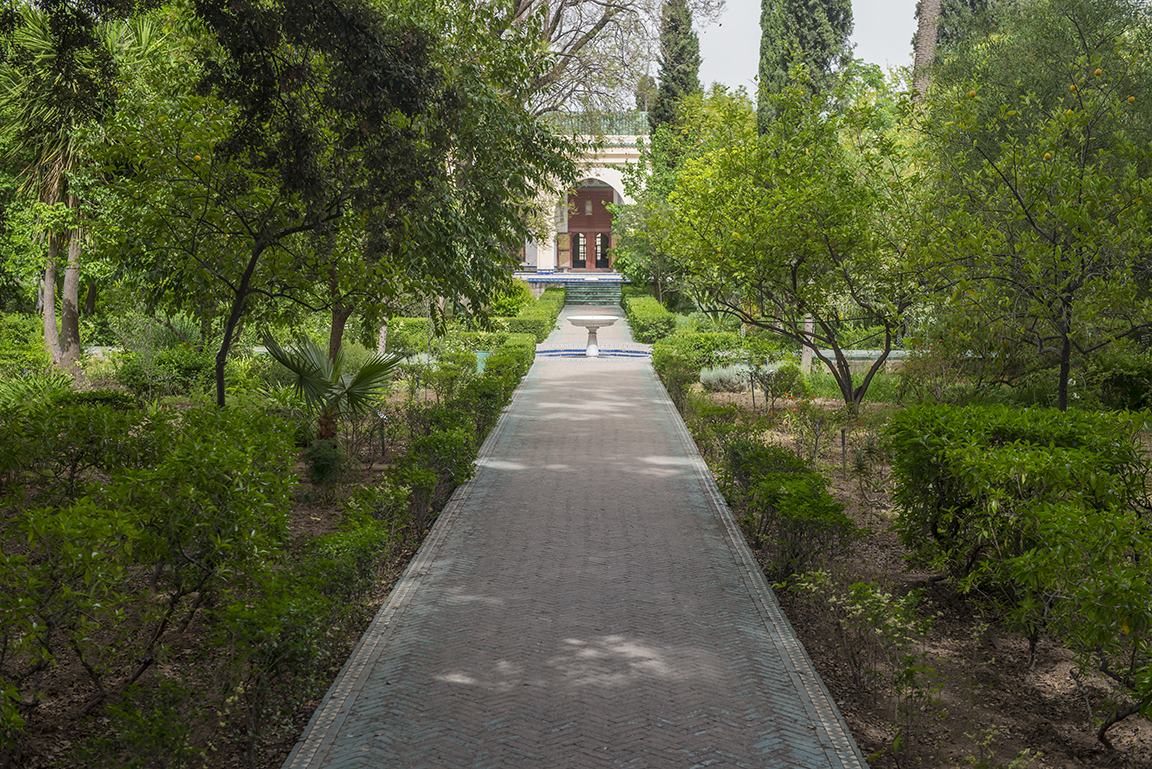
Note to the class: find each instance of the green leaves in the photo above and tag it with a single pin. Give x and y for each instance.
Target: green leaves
(1043, 516)
(804, 222)
(328, 390)
(1039, 177)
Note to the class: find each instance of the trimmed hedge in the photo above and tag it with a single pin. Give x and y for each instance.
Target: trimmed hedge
(784, 504)
(539, 318)
(968, 479)
(649, 320)
(176, 371)
(1042, 516)
(408, 336)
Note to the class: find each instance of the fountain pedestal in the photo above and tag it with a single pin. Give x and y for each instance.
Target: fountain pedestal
(592, 323)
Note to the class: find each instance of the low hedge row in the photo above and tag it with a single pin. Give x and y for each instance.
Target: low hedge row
(963, 475)
(539, 317)
(409, 335)
(199, 499)
(648, 319)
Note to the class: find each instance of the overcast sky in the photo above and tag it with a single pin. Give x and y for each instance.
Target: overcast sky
(730, 50)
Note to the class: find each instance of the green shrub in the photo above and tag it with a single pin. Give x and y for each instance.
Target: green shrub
(677, 372)
(679, 359)
(510, 301)
(277, 639)
(1123, 380)
(217, 502)
(986, 493)
(327, 463)
(174, 371)
(538, 318)
(434, 466)
(1089, 583)
(511, 362)
(480, 340)
(384, 503)
(117, 400)
(347, 560)
(451, 370)
(783, 382)
(50, 451)
(781, 502)
(537, 321)
(966, 477)
(648, 319)
(484, 397)
(409, 335)
(556, 295)
(97, 331)
(22, 345)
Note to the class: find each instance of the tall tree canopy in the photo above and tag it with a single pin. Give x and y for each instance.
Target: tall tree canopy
(679, 63)
(1040, 135)
(338, 156)
(810, 32)
(594, 51)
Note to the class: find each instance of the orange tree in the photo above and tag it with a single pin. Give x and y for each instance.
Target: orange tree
(801, 231)
(1039, 134)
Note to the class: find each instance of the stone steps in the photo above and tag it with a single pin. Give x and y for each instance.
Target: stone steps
(593, 293)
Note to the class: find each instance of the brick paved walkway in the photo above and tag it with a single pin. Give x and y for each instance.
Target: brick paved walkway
(586, 601)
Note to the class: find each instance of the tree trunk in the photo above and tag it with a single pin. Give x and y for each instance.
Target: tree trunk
(1065, 372)
(90, 301)
(382, 338)
(239, 300)
(70, 305)
(340, 315)
(51, 334)
(929, 20)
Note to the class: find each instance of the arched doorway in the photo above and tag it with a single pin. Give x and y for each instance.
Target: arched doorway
(586, 244)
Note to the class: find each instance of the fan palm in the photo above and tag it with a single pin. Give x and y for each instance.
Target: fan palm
(326, 387)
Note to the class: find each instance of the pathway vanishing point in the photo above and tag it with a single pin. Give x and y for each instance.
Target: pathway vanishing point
(585, 601)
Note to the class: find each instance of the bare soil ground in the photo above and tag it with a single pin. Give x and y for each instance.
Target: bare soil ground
(984, 708)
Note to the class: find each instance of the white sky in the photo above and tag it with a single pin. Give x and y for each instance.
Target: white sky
(730, 50)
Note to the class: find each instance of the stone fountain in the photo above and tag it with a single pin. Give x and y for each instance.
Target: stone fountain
(592, 323)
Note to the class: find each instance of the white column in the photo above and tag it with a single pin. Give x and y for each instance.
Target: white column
(806, 352)
(546, 256)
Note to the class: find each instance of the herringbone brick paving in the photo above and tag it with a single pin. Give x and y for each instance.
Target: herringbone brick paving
(586, 601)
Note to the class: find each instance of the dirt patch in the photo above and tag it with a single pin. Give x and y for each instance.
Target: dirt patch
(983, 706)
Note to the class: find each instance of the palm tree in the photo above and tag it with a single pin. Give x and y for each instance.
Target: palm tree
(329, 391)
(927, 21)
(47, 90)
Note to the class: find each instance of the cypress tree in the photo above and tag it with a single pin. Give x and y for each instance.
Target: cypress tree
(812, 32)
(679, 63)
